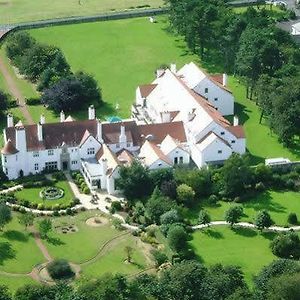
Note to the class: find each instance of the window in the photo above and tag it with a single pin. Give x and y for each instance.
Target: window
(74, 162)
(118, 145)
(219, 151)
(36, 167)
(206, 90)
(175, 160)
(181, 159)
(16, 157)
(216, 99)
(50, 152)
(222, 133)
(128, 145)
(90, 151)
(6, 171)
(51, 165)
(5, 159)
(233, 142)
(36, 154)
(160, 164)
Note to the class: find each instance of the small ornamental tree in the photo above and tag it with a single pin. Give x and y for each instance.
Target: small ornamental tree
(185, 194)
(45, 226)
(60, 269)
(233, 214)
(263, 220)
(5, 215)
(26, 219)
(204, 217)
(286, 245)
(129, 251)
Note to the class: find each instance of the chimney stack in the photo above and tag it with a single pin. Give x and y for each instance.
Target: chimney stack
(122, 137)
(235, 121)
(173, 68)
(20, 137)
(10, 120)
(224, 79)
(99, 131)
(165, 117)
(40, 131)
(42, 119)
(62, 116)
(92, 114)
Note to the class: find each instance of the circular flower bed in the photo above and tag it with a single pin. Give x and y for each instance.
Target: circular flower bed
(52, 193)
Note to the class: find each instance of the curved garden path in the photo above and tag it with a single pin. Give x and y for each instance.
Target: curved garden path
(247, 225)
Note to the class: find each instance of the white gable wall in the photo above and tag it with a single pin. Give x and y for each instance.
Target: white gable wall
(225, 100)
(177, 153)
(90, 142)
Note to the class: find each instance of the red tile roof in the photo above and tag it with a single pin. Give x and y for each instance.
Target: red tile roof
(146, 89)
(9, 148)
(218, 79)
(237, 131)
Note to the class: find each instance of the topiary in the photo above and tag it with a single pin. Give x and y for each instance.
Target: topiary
(60, 269)
(86, 190)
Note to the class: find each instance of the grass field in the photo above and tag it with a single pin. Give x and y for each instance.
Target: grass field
(243, 247)
(18, 251)
(33, 195)
(120, 54)
(15, 11)
(15, 282)
(278, 204)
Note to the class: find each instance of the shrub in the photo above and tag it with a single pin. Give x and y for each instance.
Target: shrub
(159, 257)
(177, 238)
(292, 218)
(260, 187)
(185, 194)
(116, 205)
(60, 269)
(286, 245)
(41, 206)
(86, 190)
(33, 101)
(69, 211)
(55, 213)
(75, 201)
(212, 200)
(117, 223)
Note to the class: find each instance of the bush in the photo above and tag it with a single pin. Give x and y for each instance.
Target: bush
(292, 218)
(260, 187)
(69, 211)
(116, 205)
(286, 245)
(159, 257)
(33, 101)
(60, 269)
(212, 200)
(55, 213)
(86, 190)
(117, 223)
(41, 206)
(75, 201)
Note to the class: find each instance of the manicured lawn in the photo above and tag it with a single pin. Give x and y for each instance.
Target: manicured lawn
(82, 245)
(15, 11)
(13, 283)
(18, 251)
(120, 54)
(114, 260)
(33, 195)
(279, 205)
(261, 142)
(243, 247)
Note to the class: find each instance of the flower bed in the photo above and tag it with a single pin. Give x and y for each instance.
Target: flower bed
(52, 193)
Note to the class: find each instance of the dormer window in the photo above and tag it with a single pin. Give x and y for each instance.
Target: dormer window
(233, 142)
(206, 90)
(216, 99)
(219, 151)
(35, 154)
(222, 132)
(50, 152)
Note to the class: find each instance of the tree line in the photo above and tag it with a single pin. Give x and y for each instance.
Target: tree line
(46, 66)
(251, 46)
(187, 280)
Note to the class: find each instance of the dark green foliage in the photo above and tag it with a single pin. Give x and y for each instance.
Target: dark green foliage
(71, 93)
(263, 220)
(3, 101)
(204, 217)
(157, 205)
(292, 219)
(177, 238)
(185, 194)
(274, 270)
(4, 293)
(235, 175)
(286, 245)
(60, 269)
(116, 206)
(45, 226)
(167, 219)
(161, 175)
(233, 214)
(5, 215)
(135, 181)
(159, 257)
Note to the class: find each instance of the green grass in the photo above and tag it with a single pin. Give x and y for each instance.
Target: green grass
(261, 142)
(278, 204)
(33, 195)
(15, 11)
(243, 247)
(114, 260)
(82, 245)
(28, 91)
(18, 251)
(13, 283)
(120, 54)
